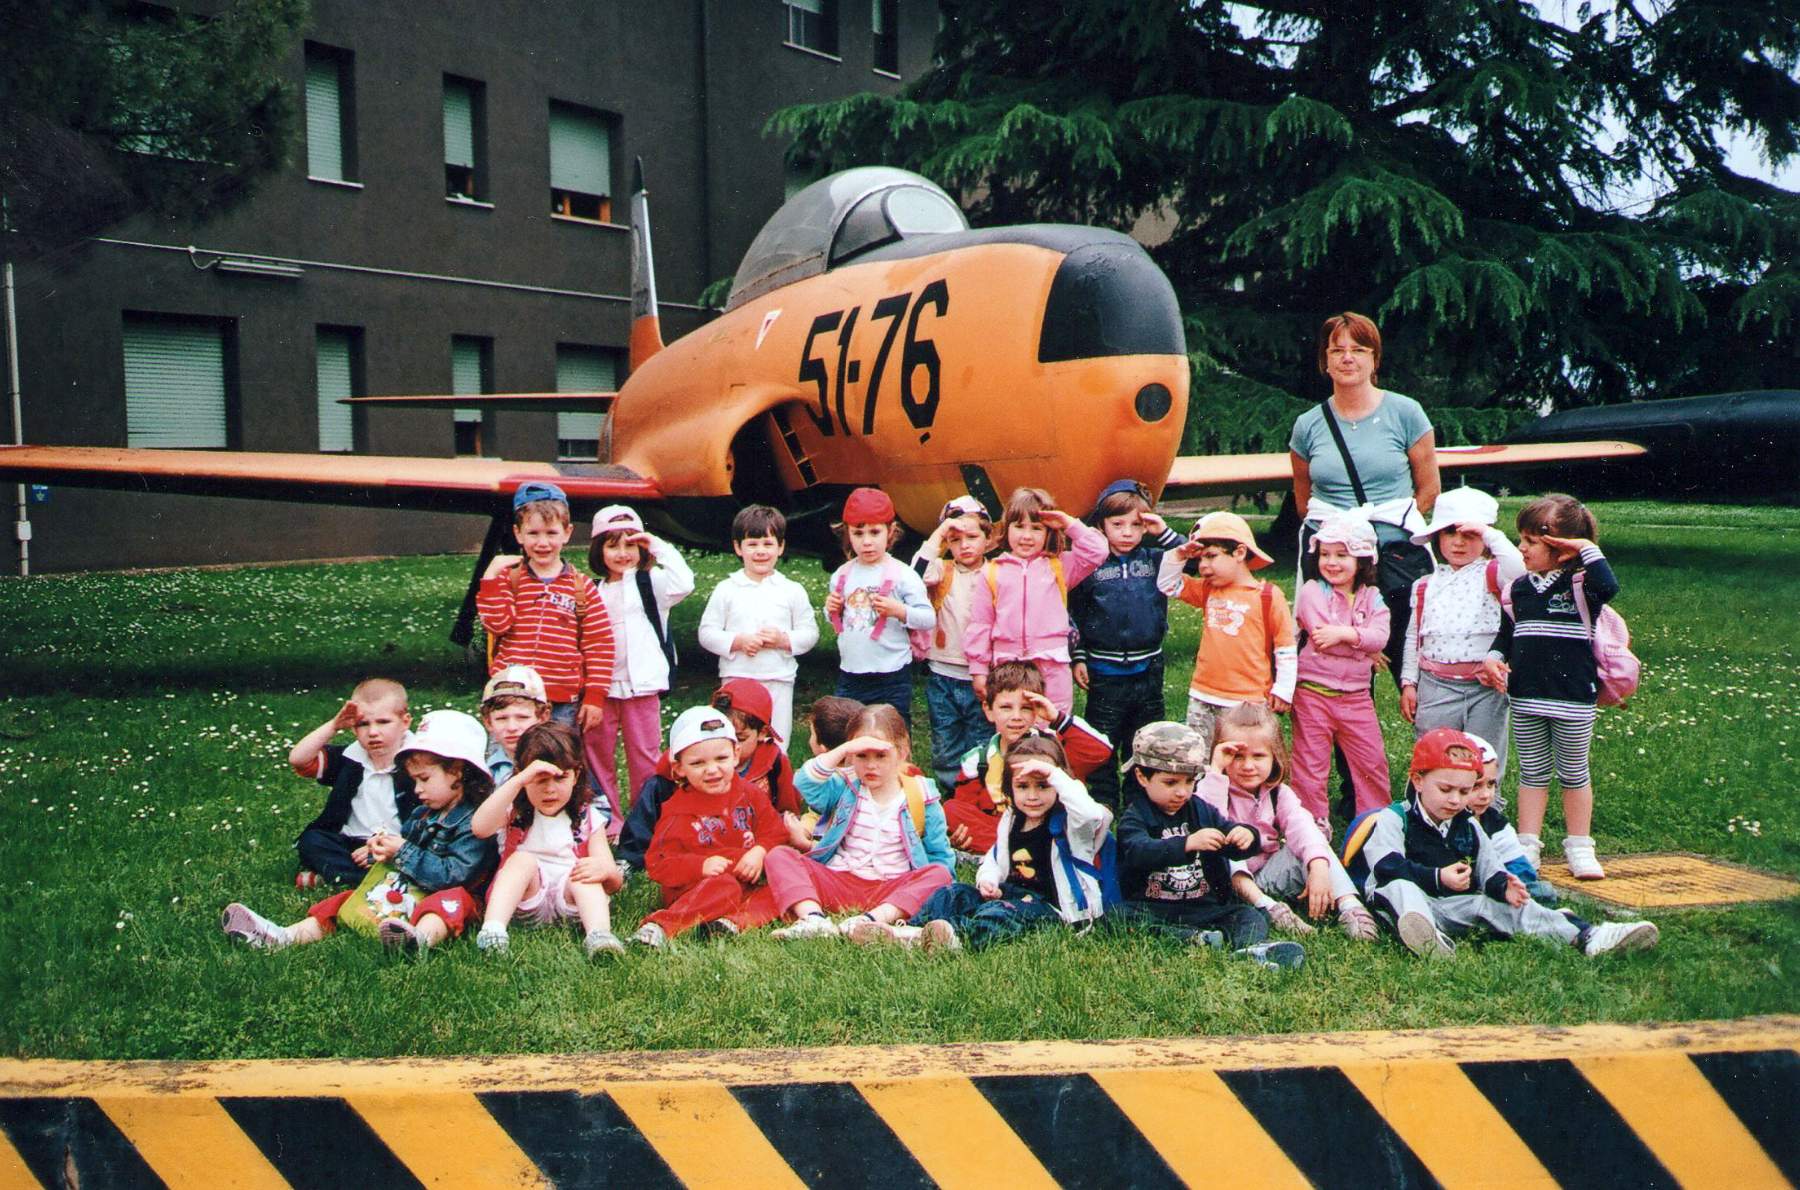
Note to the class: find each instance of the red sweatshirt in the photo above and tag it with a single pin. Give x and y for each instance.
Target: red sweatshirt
(695, 826)
(536, 623)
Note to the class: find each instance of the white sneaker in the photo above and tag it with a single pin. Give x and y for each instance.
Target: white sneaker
(1578, 853)
(813, 925)
(1620, 935)
(1533, 847)
(864, 930)
(939, 935)
(1420, 935)
(1358, 923)
(493, 941)
(252, 928)
(1283, 918)
(602, 944)
(651, 935)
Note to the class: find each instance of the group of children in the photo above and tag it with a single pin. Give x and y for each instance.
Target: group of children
(1219, 836)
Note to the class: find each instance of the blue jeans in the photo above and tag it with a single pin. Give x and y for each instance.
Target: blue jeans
(957, 725)
(328, 854)
(1117, 705)
(982, 923)
(894, 688)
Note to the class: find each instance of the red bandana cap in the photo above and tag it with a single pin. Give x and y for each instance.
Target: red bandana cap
(868, 506)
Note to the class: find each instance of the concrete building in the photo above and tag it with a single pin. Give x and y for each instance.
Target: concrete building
(451, 220)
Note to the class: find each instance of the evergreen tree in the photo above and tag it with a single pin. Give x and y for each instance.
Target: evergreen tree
(107, 111)
(1531, 198)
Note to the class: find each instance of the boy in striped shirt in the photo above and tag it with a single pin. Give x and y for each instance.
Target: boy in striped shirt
(542, 612)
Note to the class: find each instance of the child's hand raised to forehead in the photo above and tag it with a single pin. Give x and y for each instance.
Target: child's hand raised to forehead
(347, 715)
(1042, 707)
(1153, 524)
(1224, 753)
(1189, 550)
(1055, 518)
(866, 743)
(1033, 766)
(538, 768)
(1566, 547)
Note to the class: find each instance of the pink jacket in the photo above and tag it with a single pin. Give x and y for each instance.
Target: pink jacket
(1025, 617)
(1276, 814)
(1341, 667)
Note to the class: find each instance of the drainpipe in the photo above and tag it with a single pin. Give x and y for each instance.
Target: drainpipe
(22, 525)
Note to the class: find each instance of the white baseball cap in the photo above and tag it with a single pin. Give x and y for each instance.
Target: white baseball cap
(617, 518)
(1488, 755)
(1459, 506)
(697, 725)
(518, 681)
(452, 735)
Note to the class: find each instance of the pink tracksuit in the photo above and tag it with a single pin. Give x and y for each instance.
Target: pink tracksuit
(1333, 701)
(1025, 615)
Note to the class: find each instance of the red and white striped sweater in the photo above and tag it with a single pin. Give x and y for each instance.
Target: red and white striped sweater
(536, 623)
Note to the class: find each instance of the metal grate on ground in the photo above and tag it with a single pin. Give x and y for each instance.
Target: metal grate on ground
(1675, 880)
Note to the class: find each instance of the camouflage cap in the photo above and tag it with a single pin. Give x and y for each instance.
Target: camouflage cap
(1167, 748)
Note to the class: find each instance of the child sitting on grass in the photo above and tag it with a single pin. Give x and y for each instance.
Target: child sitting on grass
(1428, 866)
(512, 703)
(882, 848)
(1044, 866)
(1174, 849)
(1016, 705)
(1489, 811)
(433, 863)
(1246, 649)
(554, 862)
(370, 793)
(1293, 859)
(712, 838)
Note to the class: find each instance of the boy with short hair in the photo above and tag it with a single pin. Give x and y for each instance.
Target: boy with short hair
(370, 792)
(711, 838)
(965, 532)
(1247, 651)
(829, 721)
(1121, 617)
(758, 620)
(1175, 851)
(541, 612)
(1427, 865)
(1015, 705)
(512, 703)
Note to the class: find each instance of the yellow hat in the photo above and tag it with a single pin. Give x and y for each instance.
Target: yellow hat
(1229, 526)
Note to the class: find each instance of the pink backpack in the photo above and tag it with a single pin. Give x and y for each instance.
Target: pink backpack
(919, 638)
(1616, 667)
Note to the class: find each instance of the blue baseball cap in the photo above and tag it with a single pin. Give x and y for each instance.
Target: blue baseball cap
(536, 490)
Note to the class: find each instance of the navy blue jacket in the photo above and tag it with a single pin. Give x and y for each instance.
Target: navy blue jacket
(1155, 864)
(343, 777)
(1119, 615)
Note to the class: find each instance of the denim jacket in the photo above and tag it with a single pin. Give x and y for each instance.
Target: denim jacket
(441, 851)
(834, 796)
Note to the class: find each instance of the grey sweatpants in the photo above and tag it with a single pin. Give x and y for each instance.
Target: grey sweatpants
(1284, 877)
(1467, 706)
(1462, 912)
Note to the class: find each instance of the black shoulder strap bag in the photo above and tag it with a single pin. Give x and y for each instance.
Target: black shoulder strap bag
(1401, 563)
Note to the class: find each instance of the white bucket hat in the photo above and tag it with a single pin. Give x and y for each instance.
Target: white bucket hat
(1351, 530)
(452, 735)
(1459, 506)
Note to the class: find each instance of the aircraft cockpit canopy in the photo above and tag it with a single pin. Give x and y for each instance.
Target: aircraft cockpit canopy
(838, 218)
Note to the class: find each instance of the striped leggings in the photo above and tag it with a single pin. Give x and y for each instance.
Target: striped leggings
(1543, 742)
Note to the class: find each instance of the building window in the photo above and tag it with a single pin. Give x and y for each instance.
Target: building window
(175, 381)
(580, 163)
(465, 139)
(884, 16)
(583, 370)
(812, 25)
(330, 114)
(338, 368)
(471, 373)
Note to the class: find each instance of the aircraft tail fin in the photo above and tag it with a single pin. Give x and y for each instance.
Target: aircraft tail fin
(646, 327)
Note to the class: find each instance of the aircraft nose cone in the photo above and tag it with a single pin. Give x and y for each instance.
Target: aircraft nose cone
(1108, 298)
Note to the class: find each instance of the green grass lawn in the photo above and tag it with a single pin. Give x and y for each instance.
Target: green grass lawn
(143, 785)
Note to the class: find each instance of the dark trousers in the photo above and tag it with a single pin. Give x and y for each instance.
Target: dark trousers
(895, 689)
(1117, 705)
(981, 922)
(1241, 924)
(328, 854)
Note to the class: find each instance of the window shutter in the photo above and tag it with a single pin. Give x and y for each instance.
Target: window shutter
(459, 124)
(174, 383)
(336, 422)
(816, 7)
(583, 370)
(465, 375)
(324, 121)
(580, 152)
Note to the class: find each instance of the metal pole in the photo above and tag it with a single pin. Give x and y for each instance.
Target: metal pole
(22, 526)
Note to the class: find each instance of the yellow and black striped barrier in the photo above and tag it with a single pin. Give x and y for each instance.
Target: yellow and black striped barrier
(1700, 1104)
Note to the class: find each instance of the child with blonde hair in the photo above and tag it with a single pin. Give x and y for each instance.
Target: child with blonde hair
(1292, 858)
(950, 563)
(1021, 610)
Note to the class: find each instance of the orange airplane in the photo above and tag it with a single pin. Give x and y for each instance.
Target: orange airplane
(870, 337)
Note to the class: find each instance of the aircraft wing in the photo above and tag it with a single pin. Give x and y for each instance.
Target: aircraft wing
(526, 402)
(433, 484)
(1229, 475)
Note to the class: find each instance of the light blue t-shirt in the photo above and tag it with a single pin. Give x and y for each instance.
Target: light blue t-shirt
(859, 652)
(1378, 443)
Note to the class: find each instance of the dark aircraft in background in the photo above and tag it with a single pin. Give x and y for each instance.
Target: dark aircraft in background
(1732, 445)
